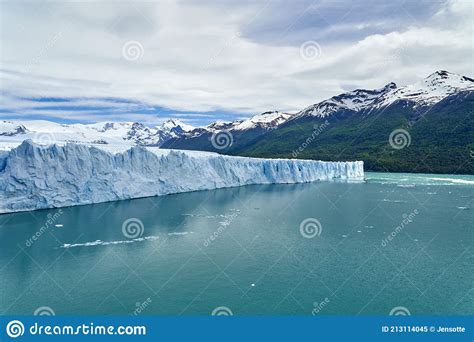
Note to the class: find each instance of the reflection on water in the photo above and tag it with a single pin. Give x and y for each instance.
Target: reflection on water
(242, 248)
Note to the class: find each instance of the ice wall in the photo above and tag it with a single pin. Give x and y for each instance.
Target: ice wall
(36, 177)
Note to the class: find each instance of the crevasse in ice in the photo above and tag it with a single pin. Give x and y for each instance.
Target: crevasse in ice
(36, 177)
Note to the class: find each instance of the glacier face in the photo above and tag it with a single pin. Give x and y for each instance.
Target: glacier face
(37, 177)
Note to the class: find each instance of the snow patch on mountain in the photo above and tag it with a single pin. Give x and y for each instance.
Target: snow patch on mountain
(114, 133)
(354, 100)
(220, 125)
(175, 126)
(426, 92)
(430, 90)
(267, 120)
(10, 129)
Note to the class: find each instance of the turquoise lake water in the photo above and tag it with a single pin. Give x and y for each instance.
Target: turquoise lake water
(326, 248)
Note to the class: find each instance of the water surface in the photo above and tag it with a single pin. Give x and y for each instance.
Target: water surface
(243, 249)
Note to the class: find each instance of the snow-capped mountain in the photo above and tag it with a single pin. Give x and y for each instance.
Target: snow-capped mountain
(267, 120)
(10, 129)
(426, 92)
(260, 122)
(175, 127)
(176, 134)
(221, 125)
(354, 100)
(242, 130)
(102, 133)
(430, 90)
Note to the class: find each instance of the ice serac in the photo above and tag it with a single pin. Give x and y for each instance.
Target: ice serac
(36, 177)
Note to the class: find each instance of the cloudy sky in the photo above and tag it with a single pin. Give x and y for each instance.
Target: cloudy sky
(200, 61)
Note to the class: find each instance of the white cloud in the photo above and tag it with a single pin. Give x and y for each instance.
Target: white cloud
(197, 57)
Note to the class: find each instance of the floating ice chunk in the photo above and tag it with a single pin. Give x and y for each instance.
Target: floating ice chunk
(106, 243)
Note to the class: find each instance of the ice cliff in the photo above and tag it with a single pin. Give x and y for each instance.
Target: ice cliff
(36, 177)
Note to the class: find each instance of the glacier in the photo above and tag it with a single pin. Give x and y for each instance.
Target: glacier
(36, 176)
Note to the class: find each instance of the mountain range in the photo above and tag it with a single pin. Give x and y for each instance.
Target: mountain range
(423, 127)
